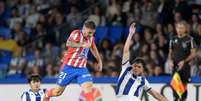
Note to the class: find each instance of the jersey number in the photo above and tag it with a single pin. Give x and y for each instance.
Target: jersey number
(62, 75)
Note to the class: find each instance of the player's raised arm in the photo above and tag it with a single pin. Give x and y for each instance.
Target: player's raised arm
(126, 52)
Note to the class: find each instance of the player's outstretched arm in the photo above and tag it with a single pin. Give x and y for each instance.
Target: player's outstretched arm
(126, 52)
(157, 95)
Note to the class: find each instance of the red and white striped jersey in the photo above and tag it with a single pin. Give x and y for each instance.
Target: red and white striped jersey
(76, 56)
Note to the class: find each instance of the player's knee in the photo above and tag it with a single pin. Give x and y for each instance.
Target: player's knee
(87, 87)
(58, 92)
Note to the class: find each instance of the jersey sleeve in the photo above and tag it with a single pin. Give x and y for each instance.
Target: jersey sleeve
(147, 86)
(125, 65)
(170, 43)
(23, 97)
(193, 45)
(74, 36)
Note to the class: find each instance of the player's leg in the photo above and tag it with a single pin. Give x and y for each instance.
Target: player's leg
(64, 78)
(86, 82)
(184, 96)
(87, 88)
(176, 97)
(57, 91)
(185, 75)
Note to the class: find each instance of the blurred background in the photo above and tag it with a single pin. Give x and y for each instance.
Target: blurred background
(33, 33)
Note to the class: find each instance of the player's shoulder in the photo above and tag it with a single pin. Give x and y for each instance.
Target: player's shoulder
(174, 37)
(142, 78)
(145, 79)
(25, 92)
(42, 91)
(76, 31)
(126, 65)
(189, 37)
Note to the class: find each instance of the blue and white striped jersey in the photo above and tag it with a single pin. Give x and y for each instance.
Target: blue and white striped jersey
(130, 85)
(31, 96)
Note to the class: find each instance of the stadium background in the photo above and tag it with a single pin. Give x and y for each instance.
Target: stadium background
(33, 34)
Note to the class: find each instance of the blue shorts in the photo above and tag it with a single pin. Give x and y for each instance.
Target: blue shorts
(69, 73)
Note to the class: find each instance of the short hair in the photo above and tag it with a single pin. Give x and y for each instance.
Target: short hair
(183, 22)
(34, 77)
(139, 61)
(133, 22)
(90, 24)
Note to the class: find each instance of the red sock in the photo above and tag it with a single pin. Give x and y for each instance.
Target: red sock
(89, 96)
(49, 93)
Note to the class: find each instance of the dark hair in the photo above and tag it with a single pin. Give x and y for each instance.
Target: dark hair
(90, 24)
(133, 22)
(34, 77)
(183, 22)
(139, 61)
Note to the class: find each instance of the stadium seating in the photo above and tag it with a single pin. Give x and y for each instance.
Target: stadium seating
(5, 56)
(101, 33)
(115, 33)
(3, 69)
(5, 32)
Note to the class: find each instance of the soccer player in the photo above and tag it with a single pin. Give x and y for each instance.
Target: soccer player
(35, 93)
(74, 62)
(131, 81)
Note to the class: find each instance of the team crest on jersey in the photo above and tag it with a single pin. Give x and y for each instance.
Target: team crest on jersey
(96, 93)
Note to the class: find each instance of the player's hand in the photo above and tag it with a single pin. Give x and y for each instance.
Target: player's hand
(132, 29)
(170, 64)
(181, 64)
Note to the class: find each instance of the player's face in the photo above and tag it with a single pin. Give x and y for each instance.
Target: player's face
(35, 85)
(181, 29)
(137, 69)
(88, 32)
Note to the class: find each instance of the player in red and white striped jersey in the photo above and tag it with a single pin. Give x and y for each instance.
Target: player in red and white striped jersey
(74, 62)
(77, 56)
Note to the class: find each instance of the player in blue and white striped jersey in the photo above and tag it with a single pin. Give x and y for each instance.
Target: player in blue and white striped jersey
(35, 93)
(131, 82)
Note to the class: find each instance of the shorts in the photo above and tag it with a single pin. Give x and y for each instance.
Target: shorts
(69, 73)
(127, 98)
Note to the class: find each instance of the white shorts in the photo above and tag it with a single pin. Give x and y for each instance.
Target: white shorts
(127, 98)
